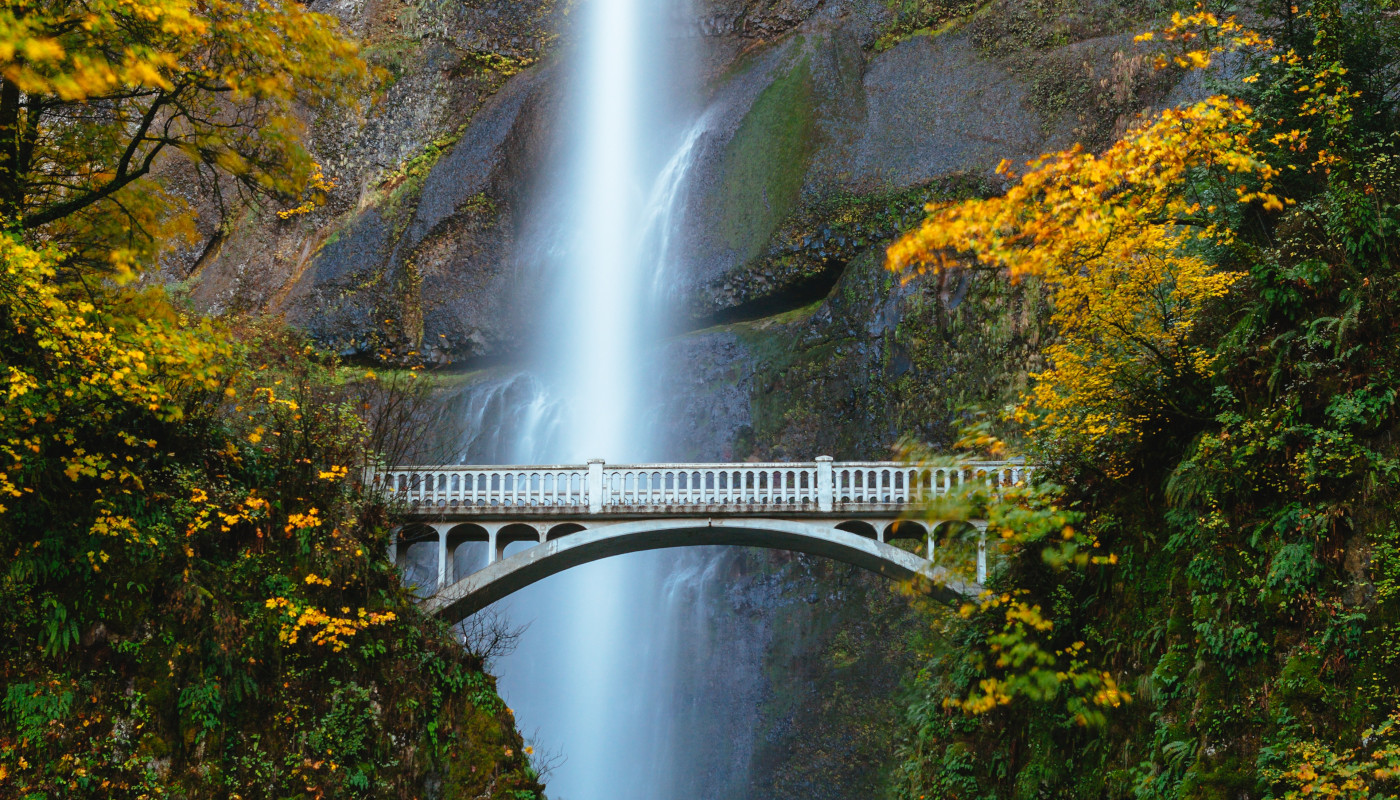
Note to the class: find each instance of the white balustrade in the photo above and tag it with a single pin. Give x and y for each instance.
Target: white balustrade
(822, 485)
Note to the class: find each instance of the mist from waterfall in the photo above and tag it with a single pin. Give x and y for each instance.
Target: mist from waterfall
(593, 679)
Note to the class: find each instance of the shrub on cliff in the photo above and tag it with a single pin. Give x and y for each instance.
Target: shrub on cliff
(198, 602)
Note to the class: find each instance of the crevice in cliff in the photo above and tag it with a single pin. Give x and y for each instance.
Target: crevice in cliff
(798, 294)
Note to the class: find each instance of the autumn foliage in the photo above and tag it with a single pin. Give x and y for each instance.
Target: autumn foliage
(94, 95)
(1215, 535)
(1120, 240)
(197, 601)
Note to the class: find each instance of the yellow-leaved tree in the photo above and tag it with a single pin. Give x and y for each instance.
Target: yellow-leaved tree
(1118, 239)
(94, 93)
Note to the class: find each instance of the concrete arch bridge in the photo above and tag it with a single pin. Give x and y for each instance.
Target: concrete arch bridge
(494, 530)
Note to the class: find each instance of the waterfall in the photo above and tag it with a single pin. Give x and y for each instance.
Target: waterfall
(593, 678)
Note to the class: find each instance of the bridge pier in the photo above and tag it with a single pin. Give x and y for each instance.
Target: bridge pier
(442, 563)
(981, 527)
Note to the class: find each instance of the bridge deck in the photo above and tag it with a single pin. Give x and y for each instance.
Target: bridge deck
(821, 487)
(566, 515)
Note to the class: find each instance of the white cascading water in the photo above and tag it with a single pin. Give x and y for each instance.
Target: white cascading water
(593, 678)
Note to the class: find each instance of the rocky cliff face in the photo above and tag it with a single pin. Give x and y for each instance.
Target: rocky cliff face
(827, 125)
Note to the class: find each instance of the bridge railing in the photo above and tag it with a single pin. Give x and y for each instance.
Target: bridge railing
(596, 487)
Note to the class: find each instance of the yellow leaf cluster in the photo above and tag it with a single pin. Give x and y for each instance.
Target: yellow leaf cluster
(102, 367)
(1372, 772)
(1201, 36)
(326, 629)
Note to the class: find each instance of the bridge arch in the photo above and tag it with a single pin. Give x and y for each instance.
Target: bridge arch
(564, 529)
(474, 592)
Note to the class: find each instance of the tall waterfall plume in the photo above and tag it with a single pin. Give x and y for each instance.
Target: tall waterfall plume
(593, 677)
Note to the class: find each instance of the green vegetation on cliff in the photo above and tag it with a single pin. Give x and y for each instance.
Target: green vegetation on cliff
(197, 602)
(1209, 608)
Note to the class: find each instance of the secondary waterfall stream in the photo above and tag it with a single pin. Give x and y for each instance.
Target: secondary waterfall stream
(593, 678)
